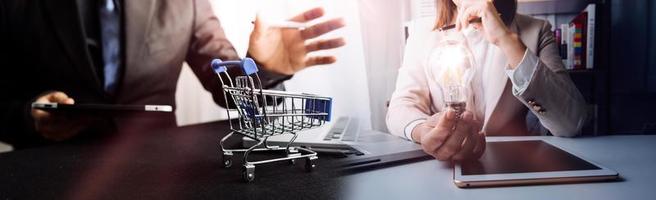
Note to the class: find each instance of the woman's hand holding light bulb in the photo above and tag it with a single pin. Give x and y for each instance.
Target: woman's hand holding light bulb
(454, 133)
(447, 136)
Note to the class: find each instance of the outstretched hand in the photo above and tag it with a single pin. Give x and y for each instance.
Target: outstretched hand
(285, 50)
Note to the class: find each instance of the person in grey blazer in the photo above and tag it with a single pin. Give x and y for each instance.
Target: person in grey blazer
(519, 71)
(126, 52)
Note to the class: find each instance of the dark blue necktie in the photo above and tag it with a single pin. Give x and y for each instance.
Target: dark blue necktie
(109, 23)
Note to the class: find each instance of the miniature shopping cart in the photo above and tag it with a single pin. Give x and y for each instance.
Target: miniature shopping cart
(264, 113)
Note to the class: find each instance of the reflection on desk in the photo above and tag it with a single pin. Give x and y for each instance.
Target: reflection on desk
(178, 163)
(5, 147)
(634, 157)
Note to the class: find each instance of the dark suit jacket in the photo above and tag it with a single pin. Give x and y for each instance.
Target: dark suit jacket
(43, 49)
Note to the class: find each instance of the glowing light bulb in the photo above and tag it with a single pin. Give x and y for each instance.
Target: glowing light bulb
(451, 65)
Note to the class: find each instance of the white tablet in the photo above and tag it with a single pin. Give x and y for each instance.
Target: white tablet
(527, 162)
(103, 109)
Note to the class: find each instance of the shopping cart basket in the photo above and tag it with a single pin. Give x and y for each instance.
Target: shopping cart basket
(265, 113)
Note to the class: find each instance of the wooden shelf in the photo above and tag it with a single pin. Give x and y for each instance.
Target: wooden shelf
(540, 7)
(582, 71)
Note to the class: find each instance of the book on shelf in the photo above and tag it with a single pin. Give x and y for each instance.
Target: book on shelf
(591, 10)
(577, 40)
(564, 38)
(577, 29)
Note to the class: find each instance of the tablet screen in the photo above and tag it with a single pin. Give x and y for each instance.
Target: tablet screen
(524, 157)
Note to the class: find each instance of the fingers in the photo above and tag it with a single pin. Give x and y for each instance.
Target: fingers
(479, 149)
(467, 148)
(257, 26)
(434, 140)
(325, 44)
(322, 28)
(476, 125)
(448, 121)
(308, 15)
(466, 17)
(286, 51)
(436, 135)
(454, 142)
(320, 60)
(55, 127)
(37, 113)
(52, 97)
(439, 135)
(468, 13)
(59, 97)
(472, 140)
(454, 138)
(468, 10)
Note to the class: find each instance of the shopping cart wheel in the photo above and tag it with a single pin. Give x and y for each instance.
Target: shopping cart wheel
(227, 160)
(292, 152)
(248, 173)
(310, 163)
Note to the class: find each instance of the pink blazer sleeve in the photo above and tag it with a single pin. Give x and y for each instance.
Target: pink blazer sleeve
(411, 98)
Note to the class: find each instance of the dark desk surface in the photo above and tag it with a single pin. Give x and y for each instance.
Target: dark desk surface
(179, 163)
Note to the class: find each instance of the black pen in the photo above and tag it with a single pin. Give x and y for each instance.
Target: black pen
(447, 27)
(285, 24)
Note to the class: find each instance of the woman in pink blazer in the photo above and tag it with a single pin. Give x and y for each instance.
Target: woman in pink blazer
(518, 71)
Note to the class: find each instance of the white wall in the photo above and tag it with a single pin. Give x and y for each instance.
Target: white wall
(383, 38)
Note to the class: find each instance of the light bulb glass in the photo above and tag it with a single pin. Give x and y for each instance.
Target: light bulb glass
(451, 65)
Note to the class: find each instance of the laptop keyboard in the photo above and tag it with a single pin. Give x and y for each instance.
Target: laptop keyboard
(351, 132)
(344, 130)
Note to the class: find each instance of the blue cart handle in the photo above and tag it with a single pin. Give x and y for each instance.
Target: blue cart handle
(247, 64)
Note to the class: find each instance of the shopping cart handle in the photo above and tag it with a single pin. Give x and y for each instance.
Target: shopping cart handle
(218, 66)
(249, 66)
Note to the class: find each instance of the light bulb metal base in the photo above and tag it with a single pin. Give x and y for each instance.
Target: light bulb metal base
(459, 107)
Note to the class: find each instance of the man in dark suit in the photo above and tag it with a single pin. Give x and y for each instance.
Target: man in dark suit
(125, 52)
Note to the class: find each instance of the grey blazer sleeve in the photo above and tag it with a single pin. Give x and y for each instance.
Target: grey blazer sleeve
(209, 42)
(550, 93)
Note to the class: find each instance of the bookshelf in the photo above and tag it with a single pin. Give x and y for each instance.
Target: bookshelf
(593, 83)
